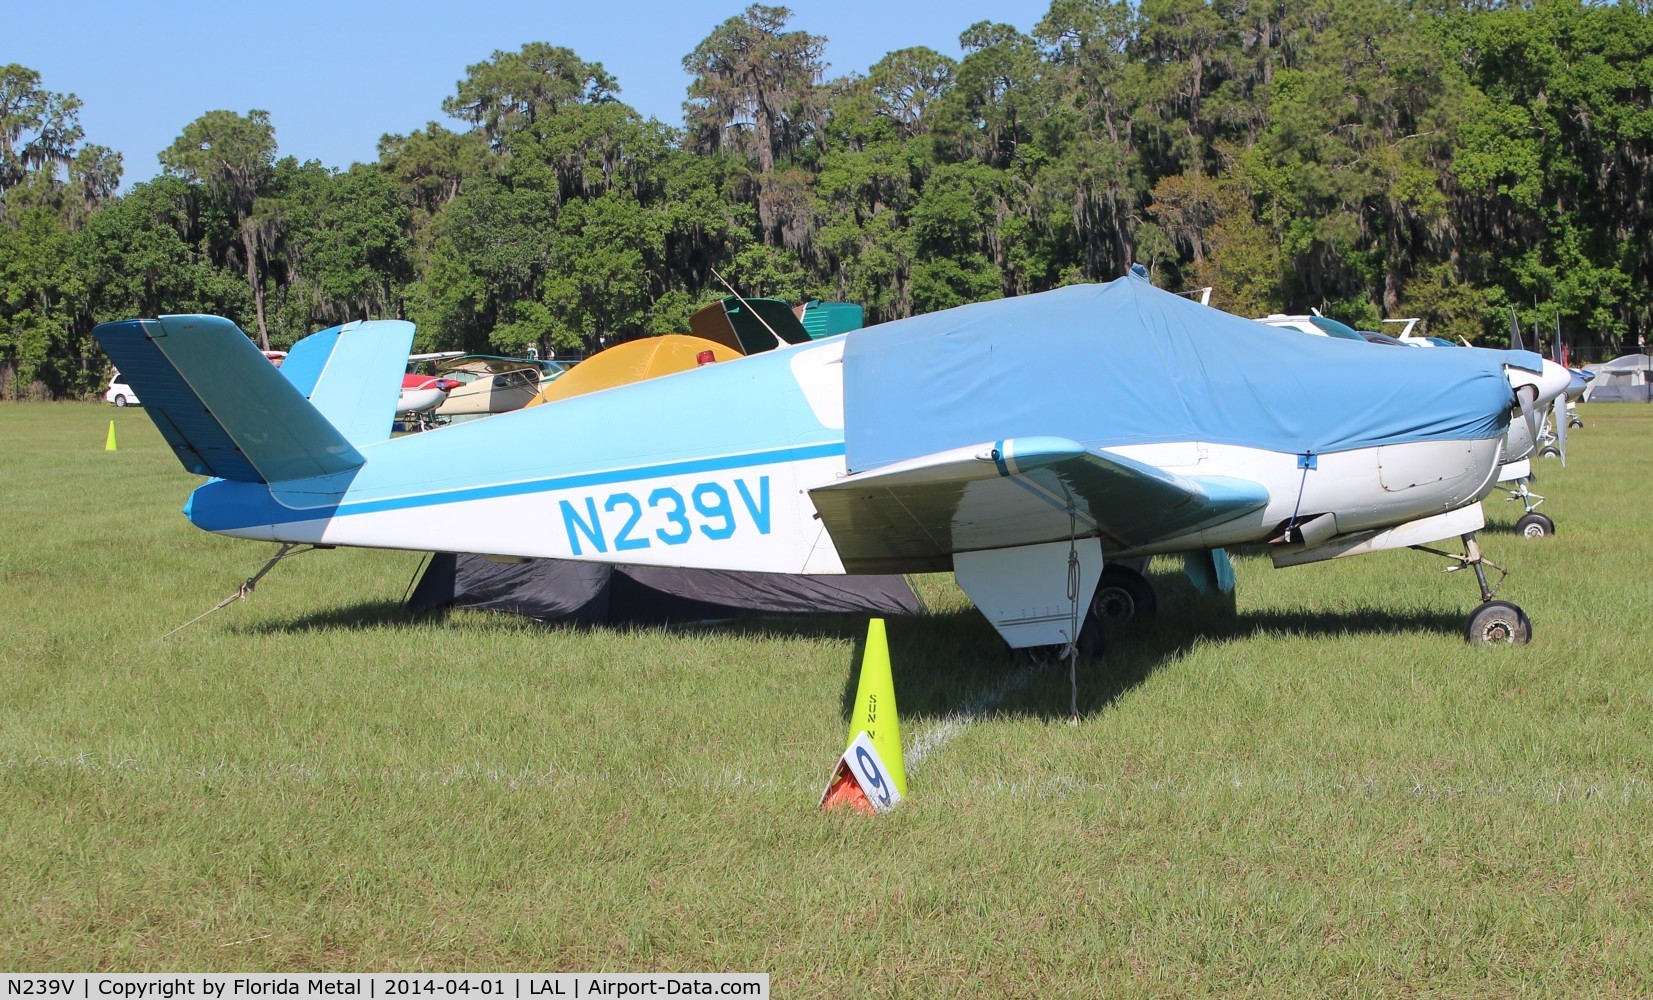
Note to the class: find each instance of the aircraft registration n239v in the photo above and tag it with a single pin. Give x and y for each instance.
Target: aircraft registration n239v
(1012, 442)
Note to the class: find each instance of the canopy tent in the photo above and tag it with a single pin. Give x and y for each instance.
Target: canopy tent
(1628, 379)
(827, 319)
(729, 328)
(588, 593)
(749, 326)
(632, 361)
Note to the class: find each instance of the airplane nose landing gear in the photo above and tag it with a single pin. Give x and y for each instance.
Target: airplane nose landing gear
(1532, 524)
(1494, 621)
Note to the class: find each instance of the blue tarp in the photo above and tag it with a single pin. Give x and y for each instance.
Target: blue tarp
(1125, 363)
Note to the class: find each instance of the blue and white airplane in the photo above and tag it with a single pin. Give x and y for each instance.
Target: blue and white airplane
(1024, 444)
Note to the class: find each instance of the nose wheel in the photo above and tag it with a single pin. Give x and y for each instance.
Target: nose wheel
(1494, 622)
(1535, 526)
(1532, 524)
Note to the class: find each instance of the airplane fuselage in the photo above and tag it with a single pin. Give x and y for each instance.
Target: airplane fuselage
(1020, 443)
(712, 468)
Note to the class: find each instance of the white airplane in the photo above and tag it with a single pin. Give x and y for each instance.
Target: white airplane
(420, 395)
(1019, 443)
(1313, 324)
(1527, 436)
(1545, 436)
(1407, 336)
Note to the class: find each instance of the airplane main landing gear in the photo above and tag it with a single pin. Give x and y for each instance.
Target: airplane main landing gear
(1494, 621)
(1497, 621)
(1123, 595)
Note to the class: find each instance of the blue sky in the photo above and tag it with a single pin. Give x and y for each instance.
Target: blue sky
(336, 76)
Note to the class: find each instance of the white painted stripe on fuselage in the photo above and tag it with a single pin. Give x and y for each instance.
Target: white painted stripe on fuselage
(753, 518)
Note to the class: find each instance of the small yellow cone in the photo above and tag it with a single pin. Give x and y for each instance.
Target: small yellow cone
(110, 445)
(875, 705)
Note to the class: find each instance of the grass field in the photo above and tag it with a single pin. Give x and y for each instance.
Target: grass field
(1323, 790)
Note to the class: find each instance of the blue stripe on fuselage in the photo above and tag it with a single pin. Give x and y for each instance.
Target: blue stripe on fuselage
(222, 505)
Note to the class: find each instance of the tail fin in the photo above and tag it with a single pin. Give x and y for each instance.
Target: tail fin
(352, 374)
(224, 409)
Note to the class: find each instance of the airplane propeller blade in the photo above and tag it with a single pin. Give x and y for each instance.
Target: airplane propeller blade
(1559, 408)
(1525, 396)
(1516, 344)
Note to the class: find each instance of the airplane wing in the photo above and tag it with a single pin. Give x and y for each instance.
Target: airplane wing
(1021, 491)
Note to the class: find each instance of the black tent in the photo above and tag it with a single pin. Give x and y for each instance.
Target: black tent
(589, 593)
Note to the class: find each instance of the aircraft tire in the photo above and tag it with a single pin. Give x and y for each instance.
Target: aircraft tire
(1497, 622)
(1122, 595)
(1535, 525)
(1550, 452)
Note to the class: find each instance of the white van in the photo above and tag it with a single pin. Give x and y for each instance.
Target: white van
(119, 392)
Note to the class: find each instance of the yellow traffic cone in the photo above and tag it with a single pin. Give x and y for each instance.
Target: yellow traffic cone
(109, 445)
(874, 712)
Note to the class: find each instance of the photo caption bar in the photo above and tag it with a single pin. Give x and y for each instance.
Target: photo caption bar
(374, 986)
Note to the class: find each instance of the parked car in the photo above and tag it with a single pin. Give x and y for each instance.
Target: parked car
(119, 392)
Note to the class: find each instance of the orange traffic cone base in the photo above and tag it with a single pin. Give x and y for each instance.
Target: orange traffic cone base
(845, 793)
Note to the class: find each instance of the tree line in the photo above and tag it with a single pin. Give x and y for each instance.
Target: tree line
(1445, 159)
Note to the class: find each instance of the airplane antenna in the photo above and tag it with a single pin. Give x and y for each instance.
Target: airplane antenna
(778, 341)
